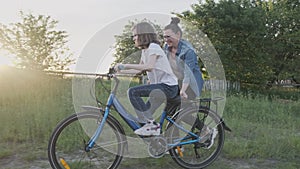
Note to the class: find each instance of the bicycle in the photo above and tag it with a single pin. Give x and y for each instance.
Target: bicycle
(101, 142)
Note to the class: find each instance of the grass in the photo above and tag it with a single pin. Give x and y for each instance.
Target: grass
(31, 103)
(266, 132)
(264, 122)
(263, 129)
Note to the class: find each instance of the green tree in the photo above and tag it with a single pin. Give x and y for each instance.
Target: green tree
(125, 46)
(258, 41)
(125, 51)
(236, 29)
(283, 24)
(35, 43)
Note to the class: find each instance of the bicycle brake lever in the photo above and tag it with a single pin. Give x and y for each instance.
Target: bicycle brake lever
(111, 72)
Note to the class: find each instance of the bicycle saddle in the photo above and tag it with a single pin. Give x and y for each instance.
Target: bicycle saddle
(173, 104)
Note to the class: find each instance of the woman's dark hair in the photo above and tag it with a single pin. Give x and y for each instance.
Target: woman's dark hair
(146, 34)
(174, 25)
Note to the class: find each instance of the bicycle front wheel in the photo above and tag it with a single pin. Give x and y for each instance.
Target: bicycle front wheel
(67, 144)
(206, 150)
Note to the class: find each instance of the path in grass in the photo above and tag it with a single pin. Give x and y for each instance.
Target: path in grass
(16, 162)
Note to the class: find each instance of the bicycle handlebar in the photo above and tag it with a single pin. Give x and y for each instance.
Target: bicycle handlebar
(111, 72)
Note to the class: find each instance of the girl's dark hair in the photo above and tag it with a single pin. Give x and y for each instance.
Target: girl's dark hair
(146, 34)
(174, 25)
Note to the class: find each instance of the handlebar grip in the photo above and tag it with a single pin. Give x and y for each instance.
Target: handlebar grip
(111, 70)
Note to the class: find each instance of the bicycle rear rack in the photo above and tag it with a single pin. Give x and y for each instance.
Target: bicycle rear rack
(206, 102)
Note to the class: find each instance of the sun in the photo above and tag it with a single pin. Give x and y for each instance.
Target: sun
(5, 61)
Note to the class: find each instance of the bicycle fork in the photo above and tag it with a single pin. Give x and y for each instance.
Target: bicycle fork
(93, 139)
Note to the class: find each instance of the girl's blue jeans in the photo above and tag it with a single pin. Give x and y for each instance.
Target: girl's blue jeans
(156, 93)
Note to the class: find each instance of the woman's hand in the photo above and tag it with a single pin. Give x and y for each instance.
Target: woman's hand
(183, 94)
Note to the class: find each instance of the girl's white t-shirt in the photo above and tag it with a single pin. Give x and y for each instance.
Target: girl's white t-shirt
(162, 72)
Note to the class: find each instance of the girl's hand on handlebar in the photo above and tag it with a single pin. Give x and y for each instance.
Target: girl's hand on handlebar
(119, 67)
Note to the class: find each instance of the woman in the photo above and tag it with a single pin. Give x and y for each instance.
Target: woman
(183, 60)
(184, 63)
(163, 82)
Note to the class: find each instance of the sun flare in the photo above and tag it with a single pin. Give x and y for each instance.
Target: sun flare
(5, 61)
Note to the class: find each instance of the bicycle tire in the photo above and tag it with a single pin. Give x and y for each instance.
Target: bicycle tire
(66, 148)
(188, 158)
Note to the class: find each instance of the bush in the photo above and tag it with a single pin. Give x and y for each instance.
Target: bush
(276, 92)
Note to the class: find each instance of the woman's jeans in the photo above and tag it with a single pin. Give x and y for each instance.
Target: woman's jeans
(157, 93)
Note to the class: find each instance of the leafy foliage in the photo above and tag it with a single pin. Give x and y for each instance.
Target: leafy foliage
(257, 41)
(283, 26)
(35, 43)
(126, 52)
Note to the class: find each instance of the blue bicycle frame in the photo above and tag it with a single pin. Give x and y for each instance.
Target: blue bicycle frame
(132, 121)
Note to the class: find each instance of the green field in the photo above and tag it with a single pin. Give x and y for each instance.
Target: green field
(266, 130)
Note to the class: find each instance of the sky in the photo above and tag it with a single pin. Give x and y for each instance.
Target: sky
(84, 19)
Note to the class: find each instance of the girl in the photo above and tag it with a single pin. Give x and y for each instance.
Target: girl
(163, 82)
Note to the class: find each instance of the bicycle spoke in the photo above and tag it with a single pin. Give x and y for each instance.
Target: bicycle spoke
(70, 138)
(196, 154)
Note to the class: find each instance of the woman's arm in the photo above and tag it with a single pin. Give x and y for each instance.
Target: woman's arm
(183, 89)
(189, 64)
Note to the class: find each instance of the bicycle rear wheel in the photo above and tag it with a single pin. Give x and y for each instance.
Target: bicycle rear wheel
(67, 144)
(200, 154)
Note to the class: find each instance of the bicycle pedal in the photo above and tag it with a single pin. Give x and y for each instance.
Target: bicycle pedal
(179, 151)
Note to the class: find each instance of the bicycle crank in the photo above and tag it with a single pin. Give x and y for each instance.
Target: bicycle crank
(157, 147)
